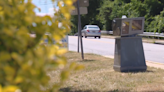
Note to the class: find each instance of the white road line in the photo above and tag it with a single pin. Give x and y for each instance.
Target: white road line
(97, 40)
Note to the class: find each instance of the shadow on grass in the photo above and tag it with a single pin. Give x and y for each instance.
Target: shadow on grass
(88, 60)
(137, 71)
(69, 90)
(72, 90)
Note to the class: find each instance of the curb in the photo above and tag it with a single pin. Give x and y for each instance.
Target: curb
(155, 62)
(155, 65)
(159, 42)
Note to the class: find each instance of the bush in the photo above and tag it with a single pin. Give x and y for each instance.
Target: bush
(24, 61)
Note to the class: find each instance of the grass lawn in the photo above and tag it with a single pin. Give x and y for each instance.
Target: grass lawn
(99, 76)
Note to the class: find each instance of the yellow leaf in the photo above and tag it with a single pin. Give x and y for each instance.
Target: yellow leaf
(4, 56)
(60, 3)
(1, 13)
(52, 51)
(21, 8)
(64, 75)
(25, 67)
(18, 79)
(61, 63)
(79, 67)
(8, 32)
(57, 37)
(16, 56)
(61, 51)
(11, 89)
(28, 19)
(9, 71)
(0, 88)
(68, 2)
(1, 8)
(73, 65)
(67, 15)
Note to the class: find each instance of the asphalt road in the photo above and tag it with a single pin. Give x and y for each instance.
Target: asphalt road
(105, 47)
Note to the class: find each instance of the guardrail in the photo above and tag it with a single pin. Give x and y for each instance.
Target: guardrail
(145, 34)
(106, 32)
(152, 34)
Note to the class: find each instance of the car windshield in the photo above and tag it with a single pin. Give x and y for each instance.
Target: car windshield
(93, 27)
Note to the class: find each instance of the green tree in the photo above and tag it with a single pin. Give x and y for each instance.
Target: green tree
(154, 6)
(111, 9)
(108, 11)
(157, 25)
(24, 60)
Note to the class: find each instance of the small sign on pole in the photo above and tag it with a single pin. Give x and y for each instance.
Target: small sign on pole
(83, 10)
(82, 3)
(80, 8)
(79, 29)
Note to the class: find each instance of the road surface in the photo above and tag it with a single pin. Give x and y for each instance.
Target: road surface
(105, 47)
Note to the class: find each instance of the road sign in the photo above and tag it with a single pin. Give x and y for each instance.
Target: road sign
(83, 10)
(82, 3)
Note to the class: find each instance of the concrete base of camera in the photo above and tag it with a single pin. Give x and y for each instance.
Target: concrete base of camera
(129, 55)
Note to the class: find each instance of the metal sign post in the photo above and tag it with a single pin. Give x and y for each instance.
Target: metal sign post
(81, 8)
(79, 31)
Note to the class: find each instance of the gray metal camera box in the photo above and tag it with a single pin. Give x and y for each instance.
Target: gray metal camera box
(128, 26)
(129, 53)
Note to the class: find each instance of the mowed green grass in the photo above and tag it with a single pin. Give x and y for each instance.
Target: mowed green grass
(99, 76)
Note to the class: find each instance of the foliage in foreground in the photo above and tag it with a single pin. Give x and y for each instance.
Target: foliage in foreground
(24, 61)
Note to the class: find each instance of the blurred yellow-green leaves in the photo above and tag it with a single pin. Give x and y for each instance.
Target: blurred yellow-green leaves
(24, 60)
(10, 89)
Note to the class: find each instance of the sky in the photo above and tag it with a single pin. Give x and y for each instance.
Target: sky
(46, 7)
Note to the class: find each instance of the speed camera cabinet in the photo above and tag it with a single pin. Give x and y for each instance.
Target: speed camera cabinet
(129, 53)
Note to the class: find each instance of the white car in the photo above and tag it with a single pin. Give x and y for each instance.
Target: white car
(91, 31)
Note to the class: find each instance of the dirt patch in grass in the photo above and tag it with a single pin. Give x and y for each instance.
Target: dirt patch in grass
(99, 76)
